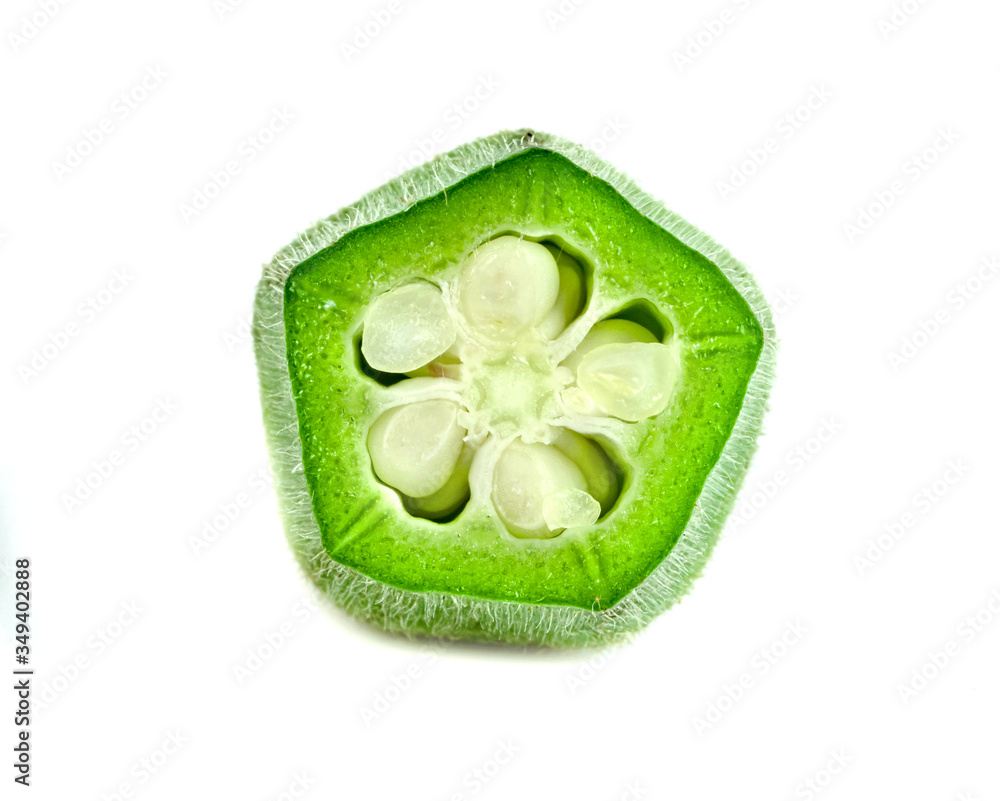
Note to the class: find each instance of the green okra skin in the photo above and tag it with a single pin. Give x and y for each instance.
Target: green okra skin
(468, 577)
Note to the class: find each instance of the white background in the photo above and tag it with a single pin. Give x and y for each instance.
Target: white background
(856, 442)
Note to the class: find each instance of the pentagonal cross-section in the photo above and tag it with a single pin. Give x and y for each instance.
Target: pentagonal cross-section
(515, 389)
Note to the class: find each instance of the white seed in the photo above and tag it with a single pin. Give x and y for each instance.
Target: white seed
(415, 447)
(568, 508)
(406, 328)
(507, 285)
(569, 301)
(630, 381)
(598, 470)
(446, 365)
(578, 403)
(608, 332)
(524, 477)
(452, 494)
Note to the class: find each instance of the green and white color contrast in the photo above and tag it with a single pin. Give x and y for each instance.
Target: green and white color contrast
(509, 397)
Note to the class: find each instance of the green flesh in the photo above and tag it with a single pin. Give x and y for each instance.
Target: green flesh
(540, 193)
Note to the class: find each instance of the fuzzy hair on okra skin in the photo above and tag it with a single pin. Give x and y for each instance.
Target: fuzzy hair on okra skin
(452, 610)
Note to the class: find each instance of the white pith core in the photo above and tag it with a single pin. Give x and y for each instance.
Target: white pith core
(497, 357)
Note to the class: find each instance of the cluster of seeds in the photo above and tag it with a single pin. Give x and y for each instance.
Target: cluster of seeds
(485, 355)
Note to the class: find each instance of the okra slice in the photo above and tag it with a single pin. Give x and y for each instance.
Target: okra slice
(509, 397)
